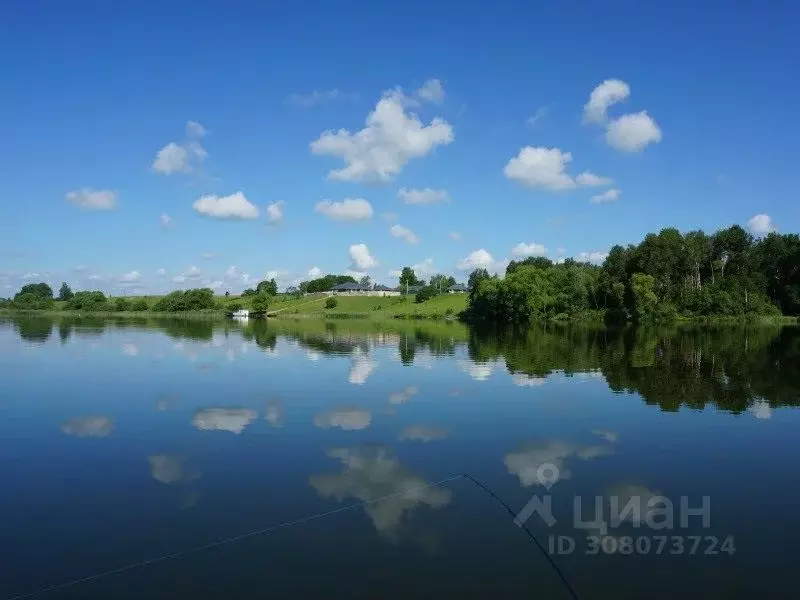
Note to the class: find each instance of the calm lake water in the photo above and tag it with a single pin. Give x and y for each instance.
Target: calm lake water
(125, 440)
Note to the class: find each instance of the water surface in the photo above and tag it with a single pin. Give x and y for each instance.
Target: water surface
(124, 440)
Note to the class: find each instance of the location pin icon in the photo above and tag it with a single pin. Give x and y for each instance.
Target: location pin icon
(547, 474)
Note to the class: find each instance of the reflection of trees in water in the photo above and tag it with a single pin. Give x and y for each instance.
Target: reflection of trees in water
(34, 329)
(264, 336)
(728, 366)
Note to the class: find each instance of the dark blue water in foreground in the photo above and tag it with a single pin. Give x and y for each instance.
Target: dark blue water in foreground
(121, 441)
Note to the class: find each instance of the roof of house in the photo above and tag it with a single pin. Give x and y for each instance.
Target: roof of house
(458, 287)
(349, 287)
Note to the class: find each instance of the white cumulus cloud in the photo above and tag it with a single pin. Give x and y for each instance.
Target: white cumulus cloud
(235, 206)
(761, 224)
(602, 97)
(405, 233)
(165, 220)
(423, 196)
(181, 158)
(545, 168)
(92, 199)
(361, 368)
(477, 259)
(632, 133)
(607, 196)
(349, 209)
(384, 146)
(595, 256)
(131, 277)
(431, 91)
(361, 259)
(532, 249)
(275, 212)
(315, 272)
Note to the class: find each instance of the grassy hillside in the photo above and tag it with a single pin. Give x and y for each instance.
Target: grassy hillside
(347, 306)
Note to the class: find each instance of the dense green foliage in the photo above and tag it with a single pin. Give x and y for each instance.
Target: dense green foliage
(65, 292)
(33, 296)
(408, 277)
(139, 305)
(331, 302)
(425, 293)
(667, 276)
(267, 288)
(178, 301)
(324, 284)
(88, 302)
(122, 304)
(260, 302)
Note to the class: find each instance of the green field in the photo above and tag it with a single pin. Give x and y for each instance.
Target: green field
(440, 307)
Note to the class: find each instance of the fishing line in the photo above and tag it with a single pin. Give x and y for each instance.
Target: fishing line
(294, 523)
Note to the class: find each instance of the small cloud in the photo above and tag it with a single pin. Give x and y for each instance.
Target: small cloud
(455, 236)
(320, 97)
(761, 409)
(532, 249)
(92, 199)
(361, 258)
(195, 130)
(348, 419)
(165, 220)
(422, 196)
(609, 436)
(274, 414)
(92, 426)
(761, 224)
(540, 167)
(131, 277)
(129, 349)
(349, 209)
(596, 256)
(235, 206)
(477, 259)
(208, 256)
(161, 272)
(608, 93)
(421, 433)
(171, 469)
(405, 233)
(523, 380)
(633, 133)
(315, 273)
(389, 217)
(608, 196)
(540, 114)
(431, 91)
(275, 212)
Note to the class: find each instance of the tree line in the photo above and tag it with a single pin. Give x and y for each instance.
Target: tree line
(668, 275)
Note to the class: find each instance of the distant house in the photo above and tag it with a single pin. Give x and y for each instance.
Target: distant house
(411, 289)
(458, 288)
(356, 289)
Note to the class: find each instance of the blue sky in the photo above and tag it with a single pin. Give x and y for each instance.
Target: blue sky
(516, 113)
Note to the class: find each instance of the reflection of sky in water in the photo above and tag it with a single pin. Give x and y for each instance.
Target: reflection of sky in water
(119, 424)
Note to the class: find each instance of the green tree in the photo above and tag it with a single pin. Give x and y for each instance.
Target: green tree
(267, 288)
(644, 296)
(542, 262)
(476, 276)
(441, 282)
(331, 302)
(260, 303)
(425, 293)
(88, 301)
(408, 277)
(65, 293)
(324, 284)
(122, 305)
(365, 281)
(249, 292)
(139, 305)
